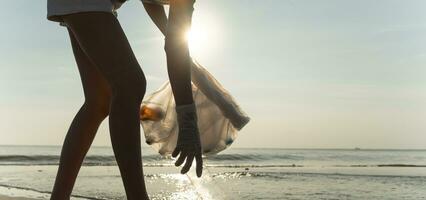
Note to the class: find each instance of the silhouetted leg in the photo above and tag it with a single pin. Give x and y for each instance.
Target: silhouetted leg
(176, 47)
(85, 124)
(102, 39)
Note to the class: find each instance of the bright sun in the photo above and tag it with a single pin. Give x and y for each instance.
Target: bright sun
(196, 40)
(201, 38)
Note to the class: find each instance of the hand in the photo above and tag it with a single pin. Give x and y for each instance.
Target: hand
(188, 145)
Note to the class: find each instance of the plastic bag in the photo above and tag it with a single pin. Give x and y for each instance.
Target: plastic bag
(219, 116)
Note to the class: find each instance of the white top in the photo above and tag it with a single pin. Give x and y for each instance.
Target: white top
(57, 8)
(160, 2)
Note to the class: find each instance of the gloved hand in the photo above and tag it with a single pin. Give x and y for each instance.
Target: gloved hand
(188, 142)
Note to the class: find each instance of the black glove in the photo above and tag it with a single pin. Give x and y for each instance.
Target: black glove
(188, 142)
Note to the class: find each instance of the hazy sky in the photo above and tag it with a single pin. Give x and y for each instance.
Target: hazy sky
(316, 74)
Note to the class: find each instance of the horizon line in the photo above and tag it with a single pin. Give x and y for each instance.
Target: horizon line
(283, 148)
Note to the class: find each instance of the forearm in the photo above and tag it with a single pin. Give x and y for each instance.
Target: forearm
(158, 16)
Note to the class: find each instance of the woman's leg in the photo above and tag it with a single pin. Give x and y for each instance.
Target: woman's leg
(85, 124)
(102, 39)
(177, 51)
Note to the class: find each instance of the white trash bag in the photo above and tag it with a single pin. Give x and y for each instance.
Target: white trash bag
(219, 116)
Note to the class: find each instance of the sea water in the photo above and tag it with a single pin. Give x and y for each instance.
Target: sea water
(237, 173)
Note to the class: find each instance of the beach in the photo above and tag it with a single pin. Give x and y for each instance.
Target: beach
(234, 174)
(13, 198)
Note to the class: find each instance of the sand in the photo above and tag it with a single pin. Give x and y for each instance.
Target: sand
(13, 198)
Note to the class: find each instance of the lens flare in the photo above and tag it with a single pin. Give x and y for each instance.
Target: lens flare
(197, 39)
(204, 37)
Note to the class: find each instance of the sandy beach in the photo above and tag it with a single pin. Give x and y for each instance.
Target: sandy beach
(241, 174)
(2, 197)
(18, 193)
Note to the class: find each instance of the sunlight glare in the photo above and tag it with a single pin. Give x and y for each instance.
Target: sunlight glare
(201, 38)
(197, 39)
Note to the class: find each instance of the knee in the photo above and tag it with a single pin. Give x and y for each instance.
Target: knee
(130, 87)
(98, 105)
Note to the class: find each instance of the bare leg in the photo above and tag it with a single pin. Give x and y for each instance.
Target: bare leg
(178, 58)
(102, 39)
(85, 124)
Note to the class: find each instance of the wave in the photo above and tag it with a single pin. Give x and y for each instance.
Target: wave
(254, 157)
(110, 160)
(90, 160)
(400, 165)
(225, 160)
(295, 166)
(286, 175)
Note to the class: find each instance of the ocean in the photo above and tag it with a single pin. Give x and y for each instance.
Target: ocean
(237, 173)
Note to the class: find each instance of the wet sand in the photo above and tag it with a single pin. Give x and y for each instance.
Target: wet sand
(13, 198)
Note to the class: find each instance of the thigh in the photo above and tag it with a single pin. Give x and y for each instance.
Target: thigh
(102, 39)
(95, 86)
(180, 17)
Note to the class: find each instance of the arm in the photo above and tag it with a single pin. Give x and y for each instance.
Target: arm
(158, 15)
(188, 144)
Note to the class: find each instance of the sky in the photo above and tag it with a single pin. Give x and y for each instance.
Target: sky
(310, 74)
